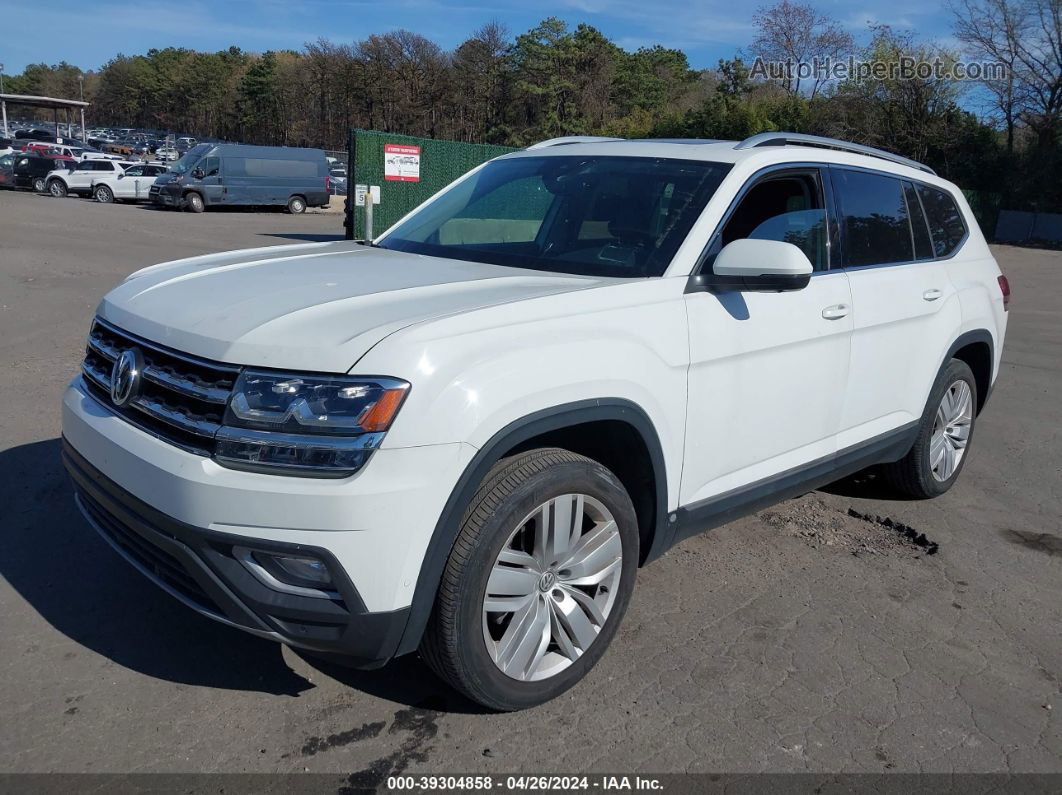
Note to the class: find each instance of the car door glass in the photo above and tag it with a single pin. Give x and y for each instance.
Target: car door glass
(923, 246)
(135, 171)
(210, 166)
(874, 217)
(785, 207)
(945, 220)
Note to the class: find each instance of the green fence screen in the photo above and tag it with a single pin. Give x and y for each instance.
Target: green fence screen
(408, 170)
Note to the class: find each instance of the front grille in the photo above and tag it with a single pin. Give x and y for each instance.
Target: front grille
(181, 399)
(155, 560)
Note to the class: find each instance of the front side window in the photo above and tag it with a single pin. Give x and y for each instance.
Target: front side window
(874, 217)
(786, 206)
(210, 166)
(589, 215)
(134, 171)
(945, 220)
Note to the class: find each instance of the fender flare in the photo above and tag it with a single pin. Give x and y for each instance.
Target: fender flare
(964, 339)
(539, 422)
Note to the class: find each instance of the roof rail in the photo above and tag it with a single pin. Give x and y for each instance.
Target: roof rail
(572, 139)
(800, 139)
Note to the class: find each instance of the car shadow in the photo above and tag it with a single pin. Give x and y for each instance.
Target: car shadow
(76, 582)
(868, 484)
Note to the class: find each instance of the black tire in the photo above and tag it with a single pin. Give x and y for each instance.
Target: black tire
(57, 188)
(296, 205)
(453, 643)
(103, 194)
(38, 185)
(913, 474)
(194, 202)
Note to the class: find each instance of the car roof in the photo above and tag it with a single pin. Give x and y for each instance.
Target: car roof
(757, 152)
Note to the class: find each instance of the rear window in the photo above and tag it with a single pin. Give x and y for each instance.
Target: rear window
(877, 228)
(267, 167)
(945, 220)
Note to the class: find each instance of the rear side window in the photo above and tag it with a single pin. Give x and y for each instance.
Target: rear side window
(945, 220)
(877, 227)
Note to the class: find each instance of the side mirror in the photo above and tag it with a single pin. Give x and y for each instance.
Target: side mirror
(197, 173)
(747, 265)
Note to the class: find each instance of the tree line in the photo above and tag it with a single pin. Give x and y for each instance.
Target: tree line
(558, 80)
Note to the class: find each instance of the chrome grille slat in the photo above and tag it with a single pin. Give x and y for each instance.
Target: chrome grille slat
(164, 413)
(186, 386)
(182, 398)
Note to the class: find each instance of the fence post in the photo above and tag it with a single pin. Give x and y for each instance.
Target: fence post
(348, 205)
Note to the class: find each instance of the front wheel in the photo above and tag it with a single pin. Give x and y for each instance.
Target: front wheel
(57, 188)
(104, 194)
(38, 184)
(939, 452)
(194, 202)
(296, 205)
(538, 580)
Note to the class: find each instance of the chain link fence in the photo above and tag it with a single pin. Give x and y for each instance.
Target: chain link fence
(407, 170)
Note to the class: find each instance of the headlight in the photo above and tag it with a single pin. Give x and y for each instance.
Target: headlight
(316, 425)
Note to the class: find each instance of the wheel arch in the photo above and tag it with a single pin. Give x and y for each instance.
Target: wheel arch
(548, 426)
(977, 349)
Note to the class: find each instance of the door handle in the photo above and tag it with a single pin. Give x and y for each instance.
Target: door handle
(932, 295)
(836, 312)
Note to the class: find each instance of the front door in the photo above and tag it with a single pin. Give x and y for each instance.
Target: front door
(768, 371)
(209, 183)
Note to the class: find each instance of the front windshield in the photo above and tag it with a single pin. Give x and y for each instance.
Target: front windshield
(595, 216)
(190, 158)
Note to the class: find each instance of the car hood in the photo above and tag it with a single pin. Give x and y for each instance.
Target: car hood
(317, 306)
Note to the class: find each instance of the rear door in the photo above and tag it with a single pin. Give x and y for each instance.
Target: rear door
(905, 305)
(80, 179)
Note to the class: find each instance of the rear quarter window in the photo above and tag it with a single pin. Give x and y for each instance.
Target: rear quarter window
(945, 220)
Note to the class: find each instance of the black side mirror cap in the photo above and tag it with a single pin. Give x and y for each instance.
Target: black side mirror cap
(768, 283)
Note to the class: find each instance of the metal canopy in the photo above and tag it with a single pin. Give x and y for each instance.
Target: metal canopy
(43, 102)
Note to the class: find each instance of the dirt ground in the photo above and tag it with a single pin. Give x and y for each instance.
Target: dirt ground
(847, 630)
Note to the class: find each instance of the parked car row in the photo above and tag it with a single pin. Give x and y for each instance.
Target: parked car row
(207, 175)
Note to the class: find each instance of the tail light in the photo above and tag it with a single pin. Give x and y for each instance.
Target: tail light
(1004, 287)
(328, 184)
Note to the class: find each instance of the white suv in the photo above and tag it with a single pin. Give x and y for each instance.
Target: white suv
(132, 184)
(79, 180)
(465, 437)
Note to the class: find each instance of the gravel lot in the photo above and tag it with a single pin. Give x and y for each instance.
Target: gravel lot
(819, 635)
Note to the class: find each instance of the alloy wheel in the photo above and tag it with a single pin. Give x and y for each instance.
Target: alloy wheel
(552, 587)
(951, 430)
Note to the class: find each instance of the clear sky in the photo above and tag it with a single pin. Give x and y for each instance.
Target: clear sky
(87, 33)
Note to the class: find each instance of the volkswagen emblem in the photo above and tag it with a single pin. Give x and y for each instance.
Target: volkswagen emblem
(125, 376)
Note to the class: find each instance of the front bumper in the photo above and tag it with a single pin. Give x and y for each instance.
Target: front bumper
(199, 568)
(177, 517)
(159, 194)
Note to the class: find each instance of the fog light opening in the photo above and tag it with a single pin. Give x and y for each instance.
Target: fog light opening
(301, 575)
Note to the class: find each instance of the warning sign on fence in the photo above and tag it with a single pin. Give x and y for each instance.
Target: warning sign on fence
(401, 163)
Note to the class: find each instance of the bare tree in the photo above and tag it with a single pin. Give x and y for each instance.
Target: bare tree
(796, 33)
(1025, 36)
